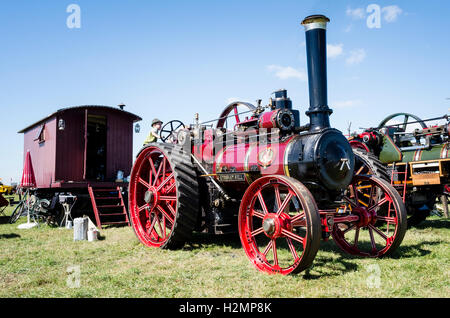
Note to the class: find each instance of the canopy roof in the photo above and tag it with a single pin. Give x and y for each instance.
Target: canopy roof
(134, 117)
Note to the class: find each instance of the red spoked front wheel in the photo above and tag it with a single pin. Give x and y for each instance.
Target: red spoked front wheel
(279, 225)
(163, 196)
(375, 220)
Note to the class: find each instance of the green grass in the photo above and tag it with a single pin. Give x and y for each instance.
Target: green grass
(34, 263)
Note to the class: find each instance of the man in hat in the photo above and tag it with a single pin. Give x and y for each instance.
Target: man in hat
(154, 131)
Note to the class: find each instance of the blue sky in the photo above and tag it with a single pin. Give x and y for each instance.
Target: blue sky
(170, 59)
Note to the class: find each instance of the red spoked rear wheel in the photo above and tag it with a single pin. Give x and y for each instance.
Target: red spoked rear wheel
(375, 223)
(163, 197)
(279, 225)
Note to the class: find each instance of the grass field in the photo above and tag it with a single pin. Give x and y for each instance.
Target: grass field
(41, 261)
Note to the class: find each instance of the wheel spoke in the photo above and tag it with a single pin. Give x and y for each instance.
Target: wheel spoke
(152, 225)
(257, 231)
(277, 195)
(292, 248)
(170, 176)
(164, 227)
(144, 183)
(236, 115)
(387, 219)
(350, 201)
(378, 204)
(172, 210)
(165, 214)
(263, 204)
(157, 174)
(167, 198)
(275, 254)
(298, 218)
(378, 231)
(258, 214)
(153, 169)
(355, 242)
(349, 228)
(363, 203)
(142, 207)
(355, 192)
(285, 203)
(292, 235)
(268, 247)
(405, 123)
(170, 188)
(158, 221)
(360, 170)
(371, 197)
(372, 239)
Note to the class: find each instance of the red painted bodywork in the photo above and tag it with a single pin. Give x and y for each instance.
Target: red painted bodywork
(359, 145)
(43, 154)
(60, 160)
(268, 119)
(244, 156)
(268, 159)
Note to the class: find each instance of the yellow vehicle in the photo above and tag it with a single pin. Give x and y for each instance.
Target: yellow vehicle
(5, 189)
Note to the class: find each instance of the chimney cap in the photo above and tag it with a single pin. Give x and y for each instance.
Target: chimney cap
(121, 106)
(315, 21)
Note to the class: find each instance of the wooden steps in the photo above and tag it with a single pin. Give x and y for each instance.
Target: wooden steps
(108, 206)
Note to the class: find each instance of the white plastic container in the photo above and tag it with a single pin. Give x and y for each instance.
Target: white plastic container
(92, 235)
(80, 229)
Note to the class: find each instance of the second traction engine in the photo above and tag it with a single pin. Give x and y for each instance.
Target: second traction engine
(282, 185)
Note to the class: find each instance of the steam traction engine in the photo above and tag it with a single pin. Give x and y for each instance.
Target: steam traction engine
(412, 155)
(282, 184)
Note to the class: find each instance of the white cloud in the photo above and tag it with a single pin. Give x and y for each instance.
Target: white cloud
(356, 57)
(357, 13)
(390, 13)
(334, 50)
(286, 72)
(347, 103)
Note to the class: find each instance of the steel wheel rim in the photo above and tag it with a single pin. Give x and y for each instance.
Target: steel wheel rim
(153, 197)
(267, 256)
(374, 236)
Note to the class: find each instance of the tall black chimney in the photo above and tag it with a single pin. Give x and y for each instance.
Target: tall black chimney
(316, 51)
